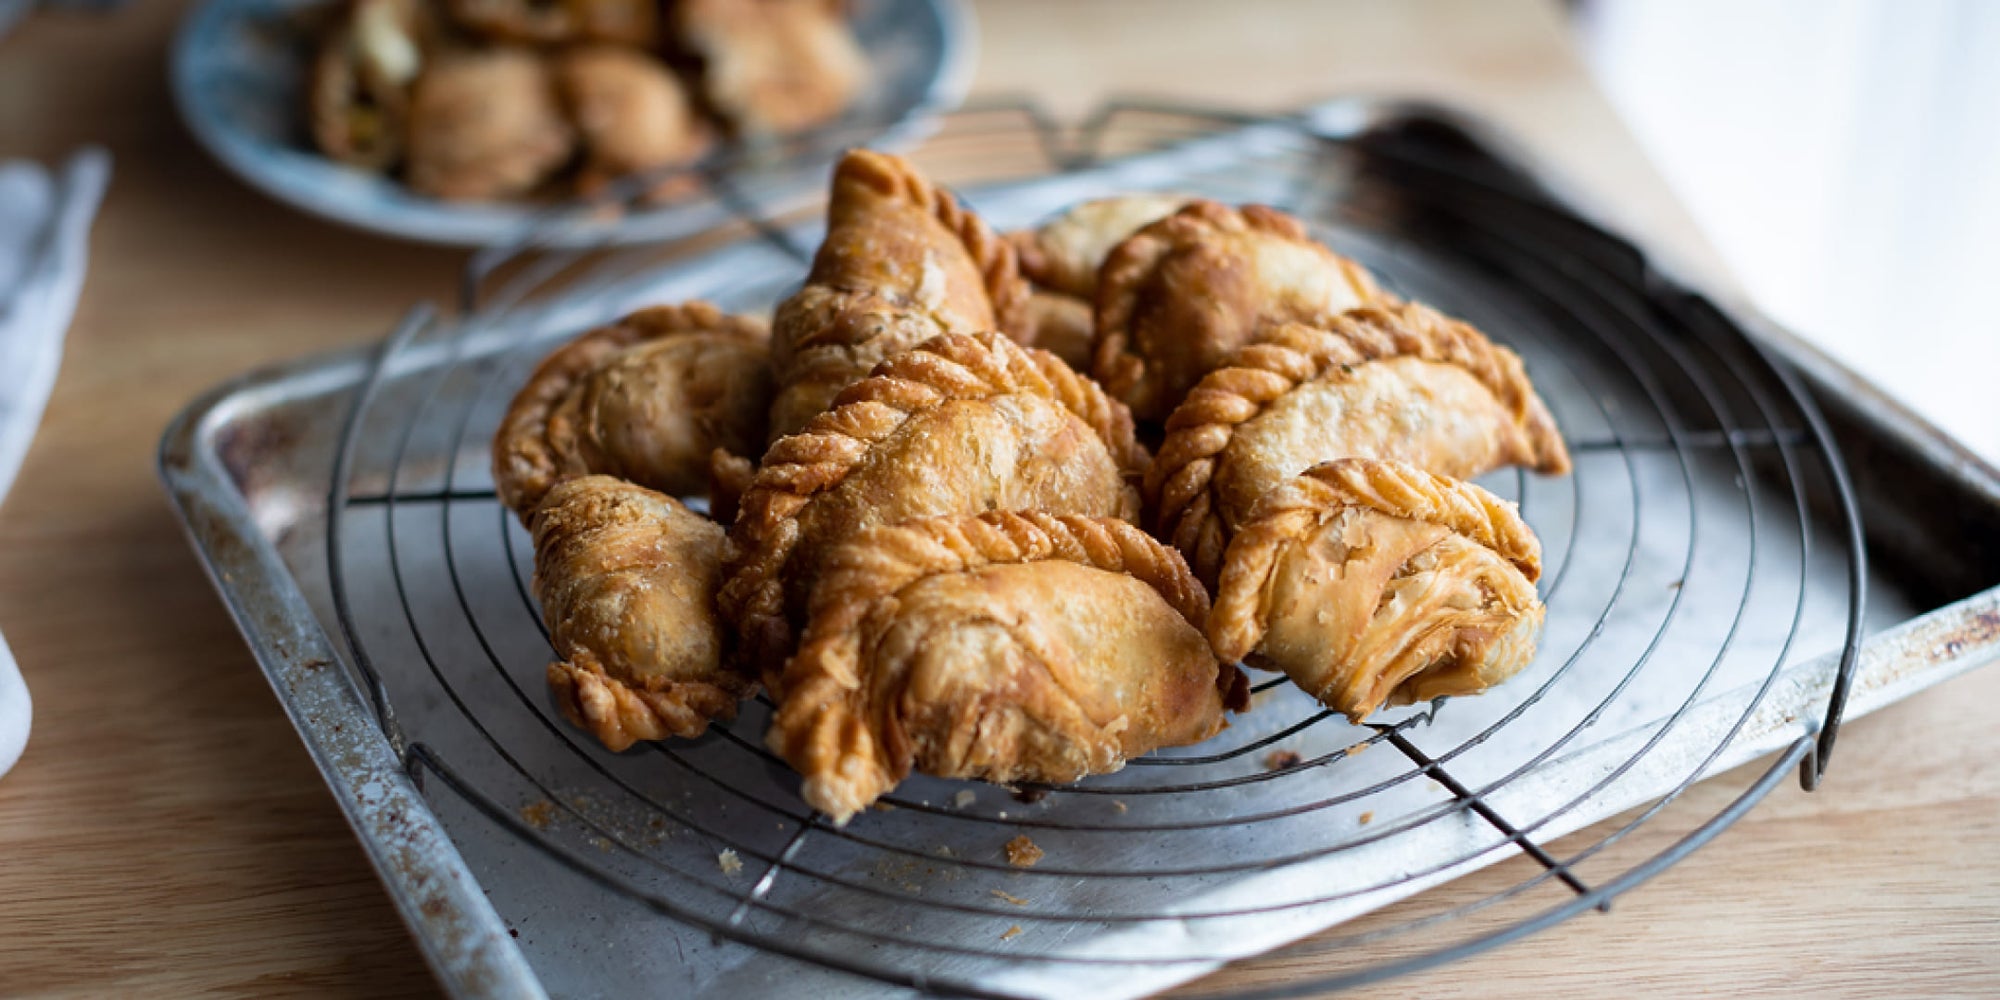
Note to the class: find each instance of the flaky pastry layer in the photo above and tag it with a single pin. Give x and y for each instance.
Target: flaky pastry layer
(1002, 646)
(1371, 582)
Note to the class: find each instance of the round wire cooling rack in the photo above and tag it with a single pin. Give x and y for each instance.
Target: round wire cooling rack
(1707, 539)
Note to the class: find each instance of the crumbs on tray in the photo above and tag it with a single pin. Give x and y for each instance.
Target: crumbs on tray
(1022, 852)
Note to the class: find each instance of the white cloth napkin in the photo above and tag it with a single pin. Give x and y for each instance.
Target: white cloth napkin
(44, 244)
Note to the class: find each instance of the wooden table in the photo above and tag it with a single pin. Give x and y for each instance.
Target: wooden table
(165, 833)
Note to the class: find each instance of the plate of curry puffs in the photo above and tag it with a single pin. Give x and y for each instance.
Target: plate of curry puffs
(475, 122)
(1023, 506)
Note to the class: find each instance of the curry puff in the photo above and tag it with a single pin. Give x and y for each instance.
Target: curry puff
(626, 578)
(772, 66)
(958, 425)
(1371, 582)
(1180, 295)
(485, 125)
(358, 96)
(631, 114)
(1003, 646)
(1064, 254)
(1398, 382)
(1060, 258)
(902, 262)
(649, 398)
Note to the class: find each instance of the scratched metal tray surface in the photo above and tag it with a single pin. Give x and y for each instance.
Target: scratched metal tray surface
(1710, 600)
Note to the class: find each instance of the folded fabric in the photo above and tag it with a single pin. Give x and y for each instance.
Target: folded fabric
(44, 245)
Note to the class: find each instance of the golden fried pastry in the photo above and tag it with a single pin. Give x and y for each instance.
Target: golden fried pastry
(485, 125)
(1001, 646)
(958, 425)
(358, 100)
(631, 112)
(626, 578)
(772, 66)
(902, 262)
(1064, 254)
(648, 398)
(547, 22)
(1059, 324)
(1372, 582)
(1398, 382)
(1183, 293)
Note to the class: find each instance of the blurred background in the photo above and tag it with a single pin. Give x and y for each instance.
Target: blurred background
(1843, 157)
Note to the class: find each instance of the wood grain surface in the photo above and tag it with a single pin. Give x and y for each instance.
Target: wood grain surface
(165, 833)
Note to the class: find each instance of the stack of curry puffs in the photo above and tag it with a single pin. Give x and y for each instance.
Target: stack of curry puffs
(494, 99)
(936, 539)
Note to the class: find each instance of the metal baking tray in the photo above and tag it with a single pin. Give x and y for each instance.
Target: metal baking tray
(1709, 600)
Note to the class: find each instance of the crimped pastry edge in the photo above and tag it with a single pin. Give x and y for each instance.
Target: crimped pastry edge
(1114, 361)
(1293, 510)
(1179, 492)
(525, 464)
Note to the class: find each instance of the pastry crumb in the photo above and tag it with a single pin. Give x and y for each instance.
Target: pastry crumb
(1022, 852)
(538, 814)
(1367, 817)
(1012, 932)
(1279, 760)
(728, 862)
(881, 807)
(1010, 897)
(1118, 805)
(944, 852)
(964, 798)
(1355, 750)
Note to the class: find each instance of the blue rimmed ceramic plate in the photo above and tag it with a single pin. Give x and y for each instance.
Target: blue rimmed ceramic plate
(238, 69)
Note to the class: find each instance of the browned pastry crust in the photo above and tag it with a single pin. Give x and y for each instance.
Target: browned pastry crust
(485, 125)
(632, 114)
(729, 476)
(1180, 295)
(1064, 253)
(647, 398)
(1372, 582)
(957, 425)
(772, 66)
(626, 578)
(1001, 646)
(549, 22)
(902, 262)
(1058, 324)
(358, 99)
(1399, 382)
